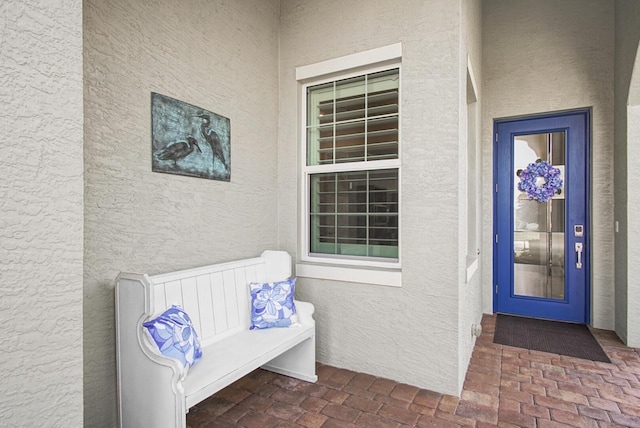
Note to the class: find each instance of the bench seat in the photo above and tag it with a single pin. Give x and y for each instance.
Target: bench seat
(157, 391)
(239, 354)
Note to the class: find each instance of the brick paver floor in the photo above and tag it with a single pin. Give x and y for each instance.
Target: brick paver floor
(504, 386)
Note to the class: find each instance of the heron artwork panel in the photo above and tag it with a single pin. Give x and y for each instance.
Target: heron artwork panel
(189, 140)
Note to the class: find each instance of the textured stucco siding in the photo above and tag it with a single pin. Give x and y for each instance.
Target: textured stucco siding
(546, 56)
(218, 55)
(470, 289)
(627, 18)
(633, 291)
(633, 131)
(410, 333)
(633, 144)
(41, 197)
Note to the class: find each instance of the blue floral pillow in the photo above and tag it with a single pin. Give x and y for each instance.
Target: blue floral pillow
(272, 304)
(175, 336)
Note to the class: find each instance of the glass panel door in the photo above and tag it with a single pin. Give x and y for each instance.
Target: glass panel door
(541, 258)
(539, 226)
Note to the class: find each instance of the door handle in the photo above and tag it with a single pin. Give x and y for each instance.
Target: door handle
(579, 252)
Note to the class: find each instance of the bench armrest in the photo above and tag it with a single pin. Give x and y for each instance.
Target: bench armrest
(305, 312)
(150, 391)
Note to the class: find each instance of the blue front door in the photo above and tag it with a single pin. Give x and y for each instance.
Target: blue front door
(541, 221)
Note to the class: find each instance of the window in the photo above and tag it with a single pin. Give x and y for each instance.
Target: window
(352, 168)
(473, 175)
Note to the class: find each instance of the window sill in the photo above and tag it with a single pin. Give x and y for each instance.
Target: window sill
(472, 266)
(387, 277)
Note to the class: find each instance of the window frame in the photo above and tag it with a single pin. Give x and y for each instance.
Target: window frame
(364, 63)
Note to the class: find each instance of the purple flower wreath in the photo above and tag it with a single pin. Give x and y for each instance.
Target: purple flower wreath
(552, 182)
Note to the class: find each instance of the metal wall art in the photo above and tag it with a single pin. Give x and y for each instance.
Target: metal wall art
(189, 140)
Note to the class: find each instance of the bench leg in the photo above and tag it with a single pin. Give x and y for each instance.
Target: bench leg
(298, 362)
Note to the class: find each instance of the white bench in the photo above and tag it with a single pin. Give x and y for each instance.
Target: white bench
(156, 391)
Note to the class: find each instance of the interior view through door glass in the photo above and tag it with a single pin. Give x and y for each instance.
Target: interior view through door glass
(539, 227)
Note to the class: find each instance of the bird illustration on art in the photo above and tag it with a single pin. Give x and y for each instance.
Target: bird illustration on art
(212, 138)
(179, 150)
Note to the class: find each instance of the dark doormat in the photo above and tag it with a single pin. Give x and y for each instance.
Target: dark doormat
(573, 340)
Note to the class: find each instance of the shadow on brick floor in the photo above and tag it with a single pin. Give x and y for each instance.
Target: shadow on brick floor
(504, 386)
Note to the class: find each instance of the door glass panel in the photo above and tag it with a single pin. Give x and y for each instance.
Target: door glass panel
(539, 227)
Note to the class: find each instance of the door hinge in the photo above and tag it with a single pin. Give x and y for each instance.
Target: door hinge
(496, 137)
(496, 187)
(496, 238)
(496, 288)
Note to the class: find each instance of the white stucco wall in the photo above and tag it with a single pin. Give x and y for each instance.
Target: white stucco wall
(546, 56)
(633, 291)
(470, 289)
(221, 56)
(633, 145)
(41, 207)
(409, 334)
(627, 34)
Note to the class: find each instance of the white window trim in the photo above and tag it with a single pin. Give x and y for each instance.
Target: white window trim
(344, 268)
(370, 58)
(388, 277)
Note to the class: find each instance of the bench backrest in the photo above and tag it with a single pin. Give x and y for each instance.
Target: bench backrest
(216, 297)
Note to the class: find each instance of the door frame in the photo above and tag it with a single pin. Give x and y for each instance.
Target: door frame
(587, 113)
